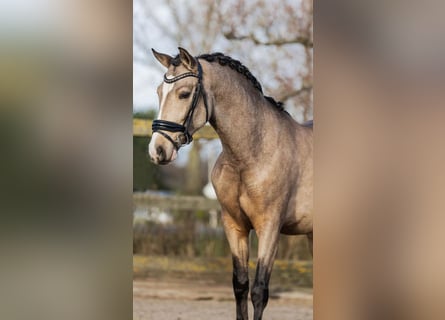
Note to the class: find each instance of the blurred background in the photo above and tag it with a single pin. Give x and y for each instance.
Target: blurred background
(176, 215)
(66, 161)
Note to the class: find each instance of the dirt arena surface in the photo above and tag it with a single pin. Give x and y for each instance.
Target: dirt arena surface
(177, 299)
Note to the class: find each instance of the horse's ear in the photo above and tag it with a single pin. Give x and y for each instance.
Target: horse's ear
(163, 58)
(187, 59)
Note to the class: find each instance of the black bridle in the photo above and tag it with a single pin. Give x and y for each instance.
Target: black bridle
(185, 137)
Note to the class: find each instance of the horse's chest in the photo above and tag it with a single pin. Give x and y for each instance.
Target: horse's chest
(251, 194)
(256, 196)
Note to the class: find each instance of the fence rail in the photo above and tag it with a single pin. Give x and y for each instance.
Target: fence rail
(142, 128)
(174, 202)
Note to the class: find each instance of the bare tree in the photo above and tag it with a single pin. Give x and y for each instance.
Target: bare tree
(277, 25)
(273, 38)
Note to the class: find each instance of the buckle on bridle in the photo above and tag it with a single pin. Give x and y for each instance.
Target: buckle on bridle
(184, 138)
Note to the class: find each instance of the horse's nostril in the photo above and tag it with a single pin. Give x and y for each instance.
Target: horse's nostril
(161, 153)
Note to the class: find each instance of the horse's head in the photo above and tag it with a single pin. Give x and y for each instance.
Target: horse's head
(182, 106)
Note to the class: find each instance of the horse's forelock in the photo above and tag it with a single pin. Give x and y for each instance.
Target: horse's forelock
(176, 61)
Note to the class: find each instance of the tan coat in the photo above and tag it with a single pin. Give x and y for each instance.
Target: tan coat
(264, 175)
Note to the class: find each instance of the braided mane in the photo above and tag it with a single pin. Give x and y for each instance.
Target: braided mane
(233, 64)
(240, 68)
(236, 65)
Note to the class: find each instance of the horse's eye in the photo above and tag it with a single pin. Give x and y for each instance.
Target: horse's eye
(184, 95)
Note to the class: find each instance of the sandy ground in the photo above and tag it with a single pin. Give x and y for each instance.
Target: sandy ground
(155, 299)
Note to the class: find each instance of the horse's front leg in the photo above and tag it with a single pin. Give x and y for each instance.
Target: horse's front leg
(238, 237)
(268, 238)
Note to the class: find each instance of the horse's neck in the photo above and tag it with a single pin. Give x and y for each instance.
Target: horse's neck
(241, 116)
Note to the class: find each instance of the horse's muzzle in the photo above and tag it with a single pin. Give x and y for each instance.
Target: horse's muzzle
(161, 151)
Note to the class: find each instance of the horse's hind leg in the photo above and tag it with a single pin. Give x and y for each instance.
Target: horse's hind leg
(267, 251)
(238, 238)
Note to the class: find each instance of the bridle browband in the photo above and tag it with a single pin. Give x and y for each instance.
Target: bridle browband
(165, 125)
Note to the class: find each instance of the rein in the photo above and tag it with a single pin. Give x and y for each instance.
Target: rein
(185, 138)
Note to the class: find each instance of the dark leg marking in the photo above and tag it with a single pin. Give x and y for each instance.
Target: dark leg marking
(260, 290)
(240, 288)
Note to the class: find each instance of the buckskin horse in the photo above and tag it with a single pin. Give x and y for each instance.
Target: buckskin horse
(264, 176)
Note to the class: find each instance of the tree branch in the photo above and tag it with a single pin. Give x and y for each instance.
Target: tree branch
(305, 41)
(290, 94)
